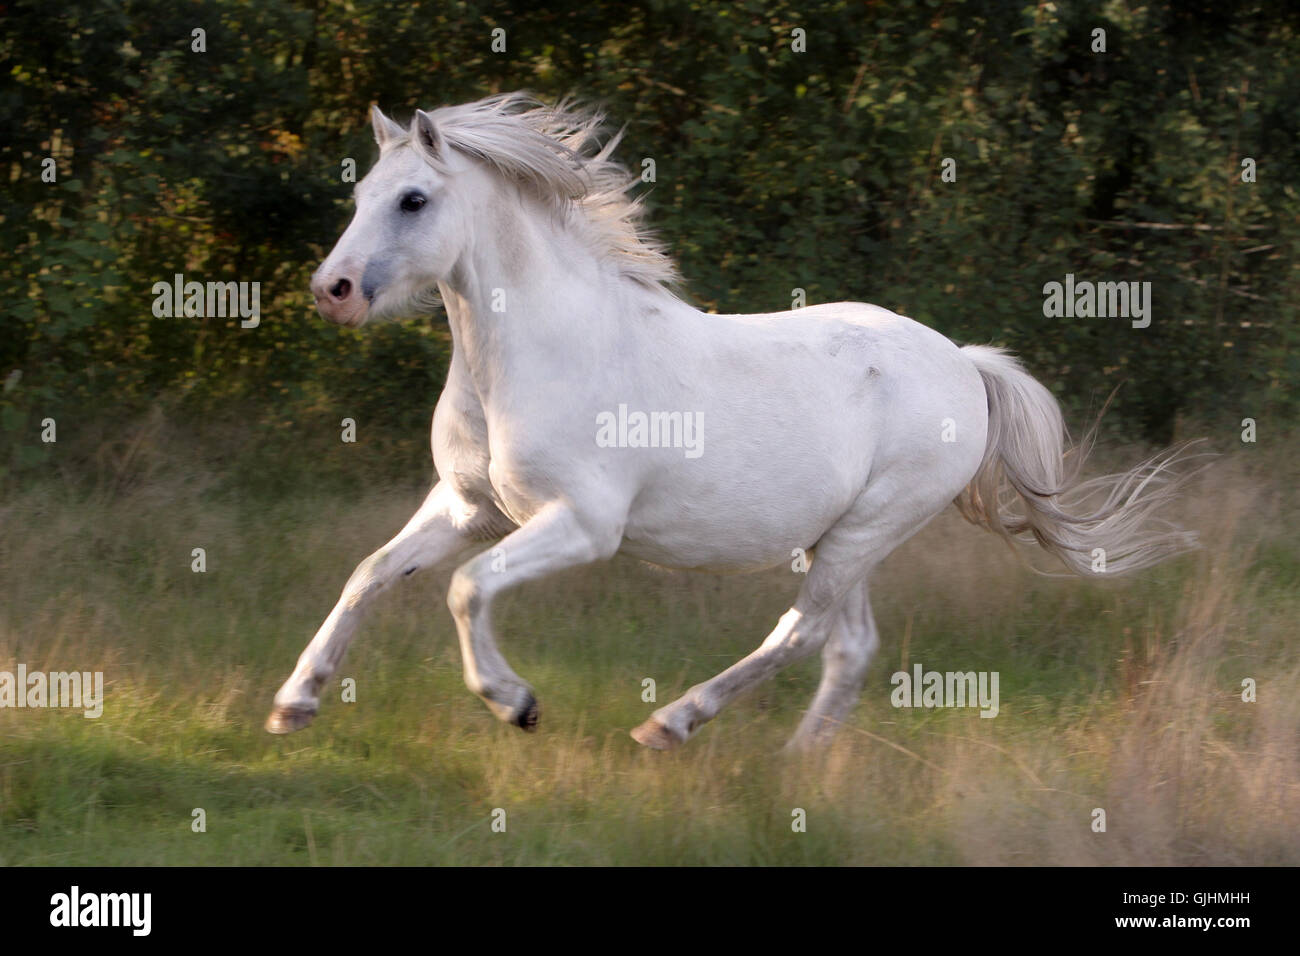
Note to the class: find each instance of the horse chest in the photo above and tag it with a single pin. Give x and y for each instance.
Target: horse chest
(514, 502)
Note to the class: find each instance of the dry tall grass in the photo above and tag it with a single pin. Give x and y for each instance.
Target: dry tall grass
(1124, 696)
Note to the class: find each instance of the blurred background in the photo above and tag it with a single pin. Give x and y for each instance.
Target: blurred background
(774, 170)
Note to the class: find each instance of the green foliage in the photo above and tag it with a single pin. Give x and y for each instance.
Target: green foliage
(775, 169)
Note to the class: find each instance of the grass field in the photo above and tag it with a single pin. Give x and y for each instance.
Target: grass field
(1119, 695)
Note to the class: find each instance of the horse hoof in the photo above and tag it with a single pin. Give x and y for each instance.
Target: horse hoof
(655, 735)
(285, 720)
(528, 715)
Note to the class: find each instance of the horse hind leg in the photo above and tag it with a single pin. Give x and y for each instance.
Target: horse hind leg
(803, 629)
(796, 635)
(887, 513)
(845, 659)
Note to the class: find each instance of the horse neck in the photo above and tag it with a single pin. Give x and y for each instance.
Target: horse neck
(526, 290)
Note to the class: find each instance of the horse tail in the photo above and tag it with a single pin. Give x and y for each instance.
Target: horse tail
(1027, 486)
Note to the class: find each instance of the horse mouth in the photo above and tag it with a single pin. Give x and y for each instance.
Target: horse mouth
(347, 318)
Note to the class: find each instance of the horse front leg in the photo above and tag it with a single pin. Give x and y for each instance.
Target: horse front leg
(443, 527)
(556, 538)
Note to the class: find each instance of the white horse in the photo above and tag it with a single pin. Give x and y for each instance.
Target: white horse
(588, 412)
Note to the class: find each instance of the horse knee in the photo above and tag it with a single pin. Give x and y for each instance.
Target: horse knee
(465, 595)
(366, 581)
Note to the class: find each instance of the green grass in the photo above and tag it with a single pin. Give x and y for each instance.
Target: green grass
(1120, 695)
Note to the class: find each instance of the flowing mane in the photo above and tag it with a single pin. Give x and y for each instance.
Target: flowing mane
(554, 153)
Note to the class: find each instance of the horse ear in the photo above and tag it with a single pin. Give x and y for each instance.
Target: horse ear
(385, 129)
(426, 134)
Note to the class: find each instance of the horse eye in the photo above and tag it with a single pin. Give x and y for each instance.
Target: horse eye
(412, 202)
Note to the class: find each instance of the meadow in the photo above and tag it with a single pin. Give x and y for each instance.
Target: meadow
(1120, 695)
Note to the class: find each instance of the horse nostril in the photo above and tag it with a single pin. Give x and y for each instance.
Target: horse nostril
(341, 290)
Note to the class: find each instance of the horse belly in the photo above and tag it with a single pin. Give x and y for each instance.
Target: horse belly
(742, 525)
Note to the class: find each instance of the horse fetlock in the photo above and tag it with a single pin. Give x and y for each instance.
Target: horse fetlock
(512, 703)
(656, 735)
(670, 726)
(815, 732)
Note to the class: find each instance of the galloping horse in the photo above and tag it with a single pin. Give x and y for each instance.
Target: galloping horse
(837, 429)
